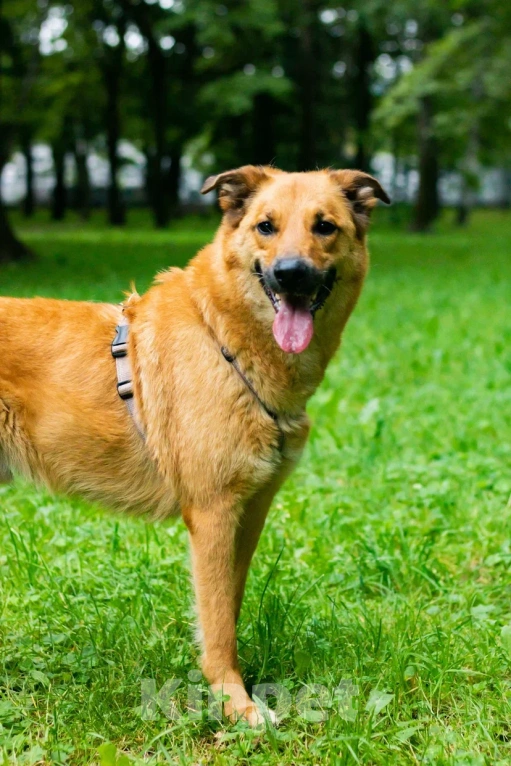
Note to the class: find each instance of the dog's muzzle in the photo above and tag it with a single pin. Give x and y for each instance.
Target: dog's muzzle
(297, 290)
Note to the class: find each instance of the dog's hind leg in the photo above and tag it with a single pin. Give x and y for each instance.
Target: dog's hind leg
(5, 471)
(5, 431)
(6, 436)
(213, 538)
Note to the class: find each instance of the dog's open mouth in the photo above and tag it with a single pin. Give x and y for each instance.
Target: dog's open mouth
(293, 326)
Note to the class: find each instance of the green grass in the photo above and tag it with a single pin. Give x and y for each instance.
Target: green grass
(385, 561)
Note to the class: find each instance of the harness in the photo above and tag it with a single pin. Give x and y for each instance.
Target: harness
(119, 349)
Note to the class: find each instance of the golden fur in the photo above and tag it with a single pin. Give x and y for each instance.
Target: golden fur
(211, 451)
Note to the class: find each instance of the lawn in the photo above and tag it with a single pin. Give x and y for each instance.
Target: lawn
(384, 570)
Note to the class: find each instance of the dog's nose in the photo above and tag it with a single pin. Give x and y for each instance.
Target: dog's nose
(295, 275)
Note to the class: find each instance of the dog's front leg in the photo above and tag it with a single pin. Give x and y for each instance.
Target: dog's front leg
(250, 526)
(212, 535)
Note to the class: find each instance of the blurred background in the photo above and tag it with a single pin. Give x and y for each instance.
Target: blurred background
(121, 104)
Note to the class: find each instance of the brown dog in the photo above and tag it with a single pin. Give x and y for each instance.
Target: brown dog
(224, 356)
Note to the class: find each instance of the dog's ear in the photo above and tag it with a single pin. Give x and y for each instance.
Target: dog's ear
(362, 192)
(235, 187)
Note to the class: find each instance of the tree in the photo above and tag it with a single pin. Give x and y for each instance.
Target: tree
(18, 70)
(93, 93)
(245, 88)
(67, 103)
(111, 58)
(29, 198)
(412, 105)
(301, 84)
(459, 92)
(167, 90)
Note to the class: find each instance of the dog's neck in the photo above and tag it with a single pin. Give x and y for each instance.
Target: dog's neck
(283, 381)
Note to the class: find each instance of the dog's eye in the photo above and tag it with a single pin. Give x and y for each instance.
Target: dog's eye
(325, 228)
(265, 227)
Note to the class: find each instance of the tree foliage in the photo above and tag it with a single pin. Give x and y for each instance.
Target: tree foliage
(299, 83)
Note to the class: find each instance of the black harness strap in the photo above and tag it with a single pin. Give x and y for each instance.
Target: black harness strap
(273, 415)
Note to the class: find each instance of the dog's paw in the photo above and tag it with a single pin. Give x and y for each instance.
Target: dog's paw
(237, 706)
(258, 715)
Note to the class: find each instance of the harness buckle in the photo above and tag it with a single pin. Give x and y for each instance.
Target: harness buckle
(125, 389)
(119, 345)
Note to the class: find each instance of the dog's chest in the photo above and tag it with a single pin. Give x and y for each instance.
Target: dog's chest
(270, 443)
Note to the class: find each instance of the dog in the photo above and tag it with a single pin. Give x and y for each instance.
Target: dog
(216, 363)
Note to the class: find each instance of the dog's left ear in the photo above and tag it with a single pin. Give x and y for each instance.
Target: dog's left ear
(362, 192)
(235, 187)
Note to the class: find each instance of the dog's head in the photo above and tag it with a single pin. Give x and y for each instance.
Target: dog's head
(296, 234)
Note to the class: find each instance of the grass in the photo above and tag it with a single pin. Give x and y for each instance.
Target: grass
(386, 561)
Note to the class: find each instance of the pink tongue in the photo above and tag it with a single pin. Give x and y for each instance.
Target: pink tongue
(293, 327)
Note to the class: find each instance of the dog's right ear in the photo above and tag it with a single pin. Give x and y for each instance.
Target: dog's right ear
(235, 187)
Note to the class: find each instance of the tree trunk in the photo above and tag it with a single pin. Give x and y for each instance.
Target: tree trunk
(112, 75)
(82, 190)
(362, 96)
(174, 179)
(462, 214)
(469, 166)
(59, 196)
(163, 166)
(29, 199)
(427, 206)
(112, 66)
(505, 202)
(307, 151)
(464, 203)
(116, 209)
(162, 162)
(158, 161)
(263, 129)
(149, 176)
(395, 190)
(160, 197)
(11, 249)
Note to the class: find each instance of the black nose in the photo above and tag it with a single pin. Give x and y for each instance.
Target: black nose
(295, 276)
